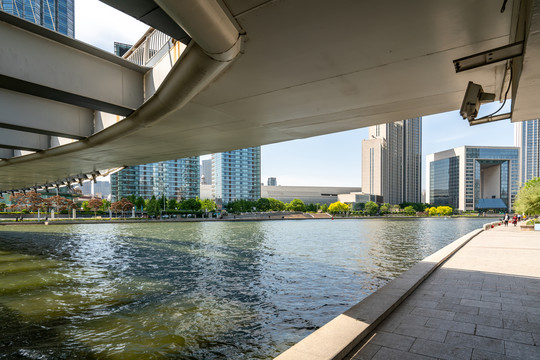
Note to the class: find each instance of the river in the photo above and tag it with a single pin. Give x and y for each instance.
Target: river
(205, 290)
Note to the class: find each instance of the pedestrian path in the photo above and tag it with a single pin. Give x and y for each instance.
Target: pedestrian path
(483, 303)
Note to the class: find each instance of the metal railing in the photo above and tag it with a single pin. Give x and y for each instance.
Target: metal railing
(147, 47)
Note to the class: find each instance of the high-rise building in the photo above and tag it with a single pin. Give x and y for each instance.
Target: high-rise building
(178, 179)
(236, 175)
(57, 15)
(473, 178)
(527, 138)
(272, 181)
(206, 172)
(392, 161)
(120, 48)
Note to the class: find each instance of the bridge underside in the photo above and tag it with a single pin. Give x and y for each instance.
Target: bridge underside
(298, 69)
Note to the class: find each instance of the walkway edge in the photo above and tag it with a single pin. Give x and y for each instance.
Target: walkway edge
(341, 335)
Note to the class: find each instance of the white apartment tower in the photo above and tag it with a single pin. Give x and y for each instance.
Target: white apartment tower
(392, 161)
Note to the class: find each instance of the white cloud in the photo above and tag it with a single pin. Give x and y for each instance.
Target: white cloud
(101, 25)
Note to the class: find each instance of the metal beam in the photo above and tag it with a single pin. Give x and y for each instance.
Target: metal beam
(55, 68)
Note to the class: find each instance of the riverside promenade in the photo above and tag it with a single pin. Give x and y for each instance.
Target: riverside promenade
(480, 300)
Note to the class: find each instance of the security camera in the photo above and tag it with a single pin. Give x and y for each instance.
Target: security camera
(474, 96)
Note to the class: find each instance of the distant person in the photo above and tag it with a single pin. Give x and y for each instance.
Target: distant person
(514, 220)
(506, 218)
(519, 217)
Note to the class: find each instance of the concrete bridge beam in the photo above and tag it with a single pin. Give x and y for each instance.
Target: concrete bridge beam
(58, 68)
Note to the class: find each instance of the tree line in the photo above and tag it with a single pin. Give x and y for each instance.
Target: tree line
(32, 201)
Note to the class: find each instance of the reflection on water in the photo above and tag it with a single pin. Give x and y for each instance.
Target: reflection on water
(245, 290)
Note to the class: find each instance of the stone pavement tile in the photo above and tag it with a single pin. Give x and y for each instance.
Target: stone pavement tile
(522, 351)
(434, 313)
(531, 303)
(479, 319)
(476, 294)
(500, 299)
(522, 326)
(393, 321)
(518, 308)
(451, 325)
(536, 337)
(473, 310)
(428, 304)
(440, 351)
(533, 318)
(479, 354)
(505, 334)
(391, 340)
(422, 332)
(475, 342)
(481, 304)
(393, 354)
(503, 314)
(366, 352)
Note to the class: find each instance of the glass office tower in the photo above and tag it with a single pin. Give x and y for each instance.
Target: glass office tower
(57, 15)
(528, 140)
(473, 178)
(177, 179)
(236, 175)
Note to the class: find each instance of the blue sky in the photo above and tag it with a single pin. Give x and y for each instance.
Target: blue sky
(329, 160)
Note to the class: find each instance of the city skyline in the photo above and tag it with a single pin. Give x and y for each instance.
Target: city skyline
(327, 160)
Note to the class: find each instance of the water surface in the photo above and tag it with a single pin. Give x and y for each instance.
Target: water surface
(207, 290)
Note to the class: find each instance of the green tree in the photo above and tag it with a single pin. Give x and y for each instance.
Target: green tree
(172, 204)
(338, 207)
(162, 202)
(528, 198)
(208, 205)
(385, 208)
(418, 207)
(276, 205)
(152, 207)
(263, 204)
(139, 203)
(85, 205)
(409, 210)
(297, 205)
(312, 207)
(105, 205)
(132, 198)
(190, 204)
(371, 208)
(324, 208)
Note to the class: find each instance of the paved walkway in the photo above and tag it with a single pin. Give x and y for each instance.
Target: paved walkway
(483, 303)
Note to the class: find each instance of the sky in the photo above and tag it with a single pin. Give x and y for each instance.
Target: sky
(328, 160)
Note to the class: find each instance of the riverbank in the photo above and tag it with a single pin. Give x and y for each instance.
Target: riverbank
(475, 297)
(241, 217)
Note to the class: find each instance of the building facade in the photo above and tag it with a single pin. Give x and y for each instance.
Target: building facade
(177, 179)
(236, 175)
(206, 172)
(272, 181)
(56, 15)
(308, 194)
(473, 178)
(527, 138)
(392, 161)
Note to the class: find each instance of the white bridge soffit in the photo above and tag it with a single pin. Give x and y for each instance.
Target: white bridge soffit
(305, 68)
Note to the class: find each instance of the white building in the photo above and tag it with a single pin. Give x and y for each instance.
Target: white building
(392, 161)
